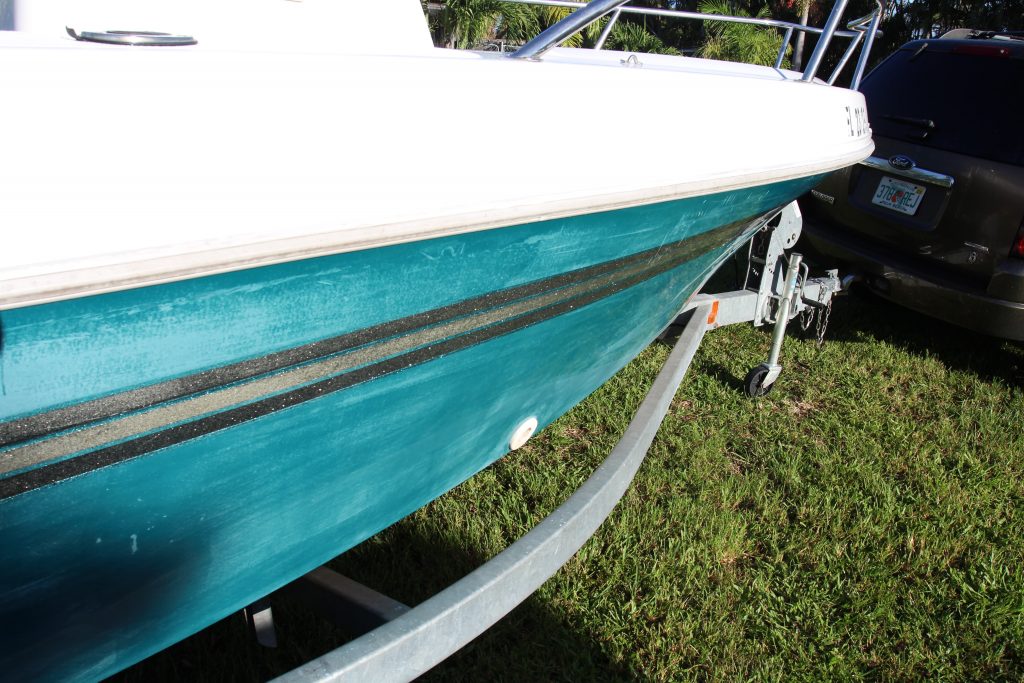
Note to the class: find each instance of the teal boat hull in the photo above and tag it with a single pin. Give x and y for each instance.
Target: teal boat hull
(173, 453)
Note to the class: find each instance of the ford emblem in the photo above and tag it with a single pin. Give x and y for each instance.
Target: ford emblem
(902, 162)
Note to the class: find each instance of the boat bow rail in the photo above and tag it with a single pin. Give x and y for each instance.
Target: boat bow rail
(859, 31)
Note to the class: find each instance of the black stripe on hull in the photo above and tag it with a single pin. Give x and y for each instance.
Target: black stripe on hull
(670, 256)
(41, 424)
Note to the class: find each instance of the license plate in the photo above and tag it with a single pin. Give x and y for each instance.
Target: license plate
(898, 195)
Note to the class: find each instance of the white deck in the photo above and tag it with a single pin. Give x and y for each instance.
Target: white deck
(124, 166)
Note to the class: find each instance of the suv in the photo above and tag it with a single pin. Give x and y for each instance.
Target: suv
(935, 219)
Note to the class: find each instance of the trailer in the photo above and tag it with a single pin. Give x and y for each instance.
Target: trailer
(400, 642)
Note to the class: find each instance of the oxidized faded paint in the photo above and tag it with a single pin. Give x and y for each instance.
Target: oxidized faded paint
(110, 562)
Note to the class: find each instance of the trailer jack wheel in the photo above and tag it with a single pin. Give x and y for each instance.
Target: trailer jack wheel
(760, 380)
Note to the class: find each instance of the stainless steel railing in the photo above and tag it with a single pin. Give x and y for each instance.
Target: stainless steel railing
(860, 32)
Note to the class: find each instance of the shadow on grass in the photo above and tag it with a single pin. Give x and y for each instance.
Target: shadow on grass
(414, 564)
(723, 375)
(863, 316)
(410, 565)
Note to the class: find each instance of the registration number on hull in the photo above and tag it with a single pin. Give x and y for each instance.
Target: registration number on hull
(898, 195)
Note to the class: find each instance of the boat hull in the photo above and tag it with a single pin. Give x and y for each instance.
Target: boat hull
(177, 451)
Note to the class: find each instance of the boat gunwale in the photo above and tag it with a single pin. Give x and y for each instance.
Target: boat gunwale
(81, 280)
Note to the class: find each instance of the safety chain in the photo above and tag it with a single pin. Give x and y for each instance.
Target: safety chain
(823, 322)
(806, 318)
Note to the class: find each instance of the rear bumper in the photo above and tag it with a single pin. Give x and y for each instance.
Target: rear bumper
(931, 293)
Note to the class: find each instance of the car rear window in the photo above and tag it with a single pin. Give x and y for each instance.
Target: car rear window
(956, 100)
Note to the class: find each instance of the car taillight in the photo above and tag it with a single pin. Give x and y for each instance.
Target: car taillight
(1018, 243)
(981, 51)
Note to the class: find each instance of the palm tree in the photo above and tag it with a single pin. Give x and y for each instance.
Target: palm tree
(630, 37)
(798, 50)
(739, 42)
(626, 35)
(464, 23)
(585, 38)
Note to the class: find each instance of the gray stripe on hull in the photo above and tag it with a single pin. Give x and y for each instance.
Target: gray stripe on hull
(42, 424)
(233, 398)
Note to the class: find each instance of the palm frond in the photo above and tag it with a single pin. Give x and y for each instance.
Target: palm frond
(585, 38)
(630, 37)
(739, 42)
(517, 23)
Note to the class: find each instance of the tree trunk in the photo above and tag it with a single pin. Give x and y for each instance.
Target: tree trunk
(798, 49)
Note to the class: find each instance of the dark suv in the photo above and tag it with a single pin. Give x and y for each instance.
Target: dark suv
(935, 219)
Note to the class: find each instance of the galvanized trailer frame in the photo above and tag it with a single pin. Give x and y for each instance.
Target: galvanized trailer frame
(406, 642)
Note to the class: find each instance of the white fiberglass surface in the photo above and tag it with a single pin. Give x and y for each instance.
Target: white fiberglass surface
(618, 59)
(119, 157)
(354, 26)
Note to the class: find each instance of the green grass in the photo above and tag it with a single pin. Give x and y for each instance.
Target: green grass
(865, 520)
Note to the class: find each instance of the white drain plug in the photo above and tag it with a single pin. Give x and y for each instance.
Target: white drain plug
(523, 433)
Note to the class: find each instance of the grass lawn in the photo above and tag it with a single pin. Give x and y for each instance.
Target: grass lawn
(865, 520)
